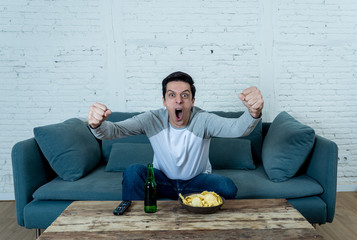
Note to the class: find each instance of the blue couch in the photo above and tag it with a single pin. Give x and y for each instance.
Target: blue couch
(41, 193)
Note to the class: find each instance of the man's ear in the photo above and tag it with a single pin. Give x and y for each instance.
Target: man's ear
(193, 101)
(164, 102)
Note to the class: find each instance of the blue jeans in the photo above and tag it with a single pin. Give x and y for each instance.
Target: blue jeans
(134, 179)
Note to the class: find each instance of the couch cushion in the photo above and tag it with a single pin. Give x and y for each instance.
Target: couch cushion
(227, 153)
(98, 185)
(256, 184)
(123, 155)
(101, 185)
(70, 148)
(286, 147)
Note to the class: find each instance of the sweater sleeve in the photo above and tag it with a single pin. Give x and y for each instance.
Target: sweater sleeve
(112, 130)
(217, 126)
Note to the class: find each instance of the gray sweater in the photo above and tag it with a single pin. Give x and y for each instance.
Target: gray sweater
(181, 153)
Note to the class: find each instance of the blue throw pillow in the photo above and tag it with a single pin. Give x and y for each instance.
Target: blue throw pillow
(255, 137)
(286, 147)
(70, 148)
(231, 153)
(107, 144)
(123, 155)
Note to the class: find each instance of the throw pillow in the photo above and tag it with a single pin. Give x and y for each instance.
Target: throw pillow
(286, 147)
(70, 148)
(231, 153)
(255, 137)
(123, 155)
(118, 117)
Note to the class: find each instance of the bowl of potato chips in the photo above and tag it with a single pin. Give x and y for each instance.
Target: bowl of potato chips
(204, 202)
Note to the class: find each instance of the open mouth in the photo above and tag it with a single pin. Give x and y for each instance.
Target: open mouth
(179, 114)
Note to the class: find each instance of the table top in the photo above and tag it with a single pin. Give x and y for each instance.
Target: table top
(243, 219)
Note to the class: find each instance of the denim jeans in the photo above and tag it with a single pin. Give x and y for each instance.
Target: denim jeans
(134, 179)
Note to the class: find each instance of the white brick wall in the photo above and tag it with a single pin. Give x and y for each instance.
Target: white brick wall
(315, 54)
(57, 57)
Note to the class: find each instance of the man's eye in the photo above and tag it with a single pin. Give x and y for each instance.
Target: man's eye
(184, 95)
(171, 95)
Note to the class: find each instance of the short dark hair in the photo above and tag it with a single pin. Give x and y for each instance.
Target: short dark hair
(178, 76)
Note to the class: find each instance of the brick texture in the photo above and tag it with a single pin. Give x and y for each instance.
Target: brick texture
(58, 57)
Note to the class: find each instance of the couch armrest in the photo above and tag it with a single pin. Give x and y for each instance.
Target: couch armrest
(30, 171)
(323, 168)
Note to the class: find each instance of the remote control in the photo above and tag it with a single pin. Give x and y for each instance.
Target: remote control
(120, 209)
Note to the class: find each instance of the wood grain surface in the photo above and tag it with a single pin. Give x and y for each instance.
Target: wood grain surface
(243, 219)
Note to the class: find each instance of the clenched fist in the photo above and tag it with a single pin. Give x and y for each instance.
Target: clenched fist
(253, 100)
(98, 113)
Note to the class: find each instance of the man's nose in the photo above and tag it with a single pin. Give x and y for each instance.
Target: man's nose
(178, 99)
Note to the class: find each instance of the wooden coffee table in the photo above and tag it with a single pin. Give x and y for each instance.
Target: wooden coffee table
(243, 219)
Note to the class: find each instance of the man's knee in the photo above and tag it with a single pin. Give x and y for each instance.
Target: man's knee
(134, 173)
(229, 189)
(222, 185)
(133, 182)
(225, 186)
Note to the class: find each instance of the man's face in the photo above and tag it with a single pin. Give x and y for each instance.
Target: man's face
(178, 102)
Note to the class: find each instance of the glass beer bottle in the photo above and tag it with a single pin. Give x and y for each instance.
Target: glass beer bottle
(150, 191)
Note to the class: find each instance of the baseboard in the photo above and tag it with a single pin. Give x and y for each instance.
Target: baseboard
(347, 188)
(7, 196)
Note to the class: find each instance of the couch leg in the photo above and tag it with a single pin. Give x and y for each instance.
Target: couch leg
(38, 232)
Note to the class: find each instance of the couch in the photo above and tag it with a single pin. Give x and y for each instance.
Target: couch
(280, 159)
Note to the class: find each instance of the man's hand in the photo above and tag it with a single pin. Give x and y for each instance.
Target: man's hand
(98, 113)
(253, 100)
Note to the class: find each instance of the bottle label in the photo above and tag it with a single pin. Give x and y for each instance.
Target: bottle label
(150, 197)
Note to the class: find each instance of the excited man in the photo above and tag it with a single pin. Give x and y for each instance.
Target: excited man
(180, 135)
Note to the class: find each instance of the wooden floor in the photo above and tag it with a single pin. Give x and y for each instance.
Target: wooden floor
(344, 226)
(8, 225)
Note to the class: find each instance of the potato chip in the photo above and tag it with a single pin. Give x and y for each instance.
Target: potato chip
(196, 202)
(183, 199)
(211, 200)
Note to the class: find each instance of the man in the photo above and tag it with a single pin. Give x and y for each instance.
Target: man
(180, 135)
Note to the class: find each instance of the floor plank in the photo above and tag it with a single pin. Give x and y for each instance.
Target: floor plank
(343, 227)
(9, 229)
